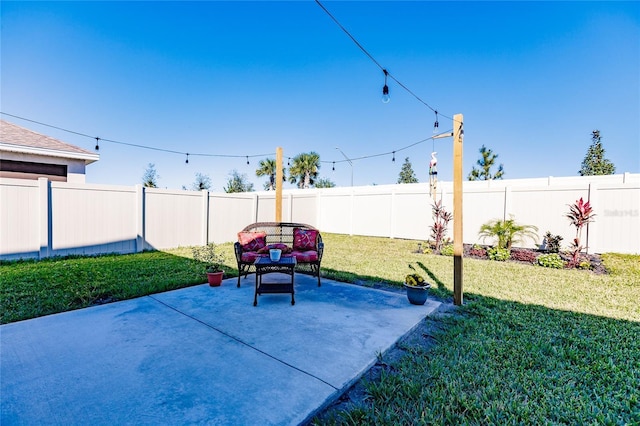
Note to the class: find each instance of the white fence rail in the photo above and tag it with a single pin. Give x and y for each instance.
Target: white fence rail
(39, 219)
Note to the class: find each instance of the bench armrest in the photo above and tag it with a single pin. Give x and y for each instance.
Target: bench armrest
(237, 248)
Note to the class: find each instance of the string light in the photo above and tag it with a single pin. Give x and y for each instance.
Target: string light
(97, 143)
(187, 160)
(435, 124)
(375, 61)
(334, 166)
(385, 89)
(247, 160)
(394, 157)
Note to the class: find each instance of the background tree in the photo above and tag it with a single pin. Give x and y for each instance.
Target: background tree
(304, 169)
(150, 176)
(268, 168)
(202, 182)
(407, 175)
(594, 162)
(238, 183)
(324, 183)
(486, 161)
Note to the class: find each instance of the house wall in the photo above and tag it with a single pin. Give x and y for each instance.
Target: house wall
(75, 167)
(42, 218)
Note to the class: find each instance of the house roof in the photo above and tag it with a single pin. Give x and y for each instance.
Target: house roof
(18, 139)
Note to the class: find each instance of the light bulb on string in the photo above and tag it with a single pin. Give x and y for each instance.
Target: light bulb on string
(334, 166)
(385, 90)
(394, 157)
(187, 160)
(97, 143)
(436, 124)
(247, 160)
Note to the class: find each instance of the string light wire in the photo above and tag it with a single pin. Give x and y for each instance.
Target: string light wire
(370, 56)
(355, 41)
(187, 154)
(170, 151)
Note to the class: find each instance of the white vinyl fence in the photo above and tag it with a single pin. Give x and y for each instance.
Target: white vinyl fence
(40, 218)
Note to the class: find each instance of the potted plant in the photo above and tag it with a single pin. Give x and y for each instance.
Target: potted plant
(416, 289)
(213, 260)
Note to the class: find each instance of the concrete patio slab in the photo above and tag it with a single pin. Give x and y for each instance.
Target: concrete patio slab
(200, 355)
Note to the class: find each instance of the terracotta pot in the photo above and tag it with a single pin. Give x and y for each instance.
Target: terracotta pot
(215, 278)
(417, 295)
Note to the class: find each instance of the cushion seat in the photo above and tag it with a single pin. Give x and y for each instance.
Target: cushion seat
(251, 256)
(305, 256)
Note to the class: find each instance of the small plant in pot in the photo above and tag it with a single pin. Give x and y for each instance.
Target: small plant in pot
(417, 289)
(213, 260)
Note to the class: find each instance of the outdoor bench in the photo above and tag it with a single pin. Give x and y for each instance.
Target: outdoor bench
(298, 240)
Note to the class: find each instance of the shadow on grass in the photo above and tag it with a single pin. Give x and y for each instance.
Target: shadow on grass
(431, 275)
(505, 362)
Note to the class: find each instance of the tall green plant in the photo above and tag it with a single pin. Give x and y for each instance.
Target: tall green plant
(507, 232)
(580, 214)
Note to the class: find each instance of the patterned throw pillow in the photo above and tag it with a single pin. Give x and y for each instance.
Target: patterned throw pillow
(252, 241)
(285, 248)
(304, 239)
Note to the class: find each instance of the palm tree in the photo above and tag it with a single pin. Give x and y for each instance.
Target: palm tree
(507, 232)
(268, 168)
(304, 169)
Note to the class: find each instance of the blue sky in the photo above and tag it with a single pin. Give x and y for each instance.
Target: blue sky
(533, 79)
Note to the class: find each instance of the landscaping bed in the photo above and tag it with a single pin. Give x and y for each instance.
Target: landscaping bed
(528, 256)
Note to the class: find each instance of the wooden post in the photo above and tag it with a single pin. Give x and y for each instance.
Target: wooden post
(457, 209)
(279, 184)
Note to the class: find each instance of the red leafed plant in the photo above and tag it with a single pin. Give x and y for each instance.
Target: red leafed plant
(580, 214)
(441, 219)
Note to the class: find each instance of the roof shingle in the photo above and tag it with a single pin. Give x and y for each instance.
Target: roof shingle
(13, 134)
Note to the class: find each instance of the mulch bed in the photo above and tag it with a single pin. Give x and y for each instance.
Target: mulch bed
(471, 251)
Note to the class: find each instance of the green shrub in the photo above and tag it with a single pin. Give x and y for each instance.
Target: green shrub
(584, 264)
(447, 250)
(552, 242)
(499, 254)
(551, 260)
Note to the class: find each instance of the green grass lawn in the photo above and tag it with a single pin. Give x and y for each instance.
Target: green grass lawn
(531, 345)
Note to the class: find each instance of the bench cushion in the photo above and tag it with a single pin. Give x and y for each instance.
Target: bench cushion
(305, 256)
(304, 239)
(251, 256)
(252, 241)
